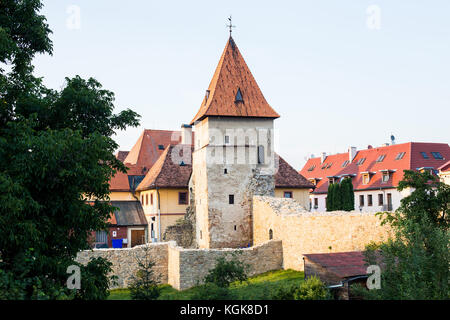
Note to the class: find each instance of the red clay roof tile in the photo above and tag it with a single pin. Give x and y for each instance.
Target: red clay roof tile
(232, 74)
(412, 160)
(343, 264)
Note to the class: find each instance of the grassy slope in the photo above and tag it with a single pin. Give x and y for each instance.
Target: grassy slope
(258, 287)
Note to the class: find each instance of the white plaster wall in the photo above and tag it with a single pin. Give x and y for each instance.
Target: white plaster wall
(396, 198)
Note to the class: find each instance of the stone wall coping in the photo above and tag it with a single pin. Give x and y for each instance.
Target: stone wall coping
(154, 244)
(290, 207)
(224, 249)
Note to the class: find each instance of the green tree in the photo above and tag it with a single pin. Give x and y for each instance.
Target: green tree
(415, 264)
(348, 196)
(144, 285)
(337, 196)
(330, 198)
(56, 151)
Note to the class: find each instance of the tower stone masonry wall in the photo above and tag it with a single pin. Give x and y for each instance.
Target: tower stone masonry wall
(230, 168)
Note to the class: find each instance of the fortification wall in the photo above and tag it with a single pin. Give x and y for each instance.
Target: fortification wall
(124, 263)
(188, 267)
(305, 232)
(183, 268)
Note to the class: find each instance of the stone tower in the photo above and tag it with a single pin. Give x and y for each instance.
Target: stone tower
(233, 155)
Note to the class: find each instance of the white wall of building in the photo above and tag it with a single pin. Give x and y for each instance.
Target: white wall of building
(396, 197)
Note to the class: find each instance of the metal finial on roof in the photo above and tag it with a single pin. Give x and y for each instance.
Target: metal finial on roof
(230, 26)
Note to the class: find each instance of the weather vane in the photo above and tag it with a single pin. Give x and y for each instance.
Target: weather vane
(230, 25)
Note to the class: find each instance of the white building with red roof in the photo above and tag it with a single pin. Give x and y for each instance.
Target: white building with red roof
(375, 172)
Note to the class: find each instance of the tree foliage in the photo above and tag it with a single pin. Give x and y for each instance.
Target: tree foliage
(56, 151)
(341, 196)
(227, 270)
(310, 289)
(144, 285)
(415, 264)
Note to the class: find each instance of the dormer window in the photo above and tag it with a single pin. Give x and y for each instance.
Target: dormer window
(437, 155)
(239, 96)
(400, 155)
(365, 178)
(385, 177)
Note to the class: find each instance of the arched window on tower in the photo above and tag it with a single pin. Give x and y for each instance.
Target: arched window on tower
(270, 234)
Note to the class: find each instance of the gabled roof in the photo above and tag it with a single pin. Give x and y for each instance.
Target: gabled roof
(412, 160)
(445, 167)
(121, 155)
(287, 177)
(342, 264)
(232, 75)
(129, 213)
(168, 172)
(147, 149)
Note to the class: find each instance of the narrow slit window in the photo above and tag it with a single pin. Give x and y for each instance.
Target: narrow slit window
(231, 199)
(260, 154)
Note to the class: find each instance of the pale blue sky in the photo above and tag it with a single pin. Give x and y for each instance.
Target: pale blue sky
(334, 81)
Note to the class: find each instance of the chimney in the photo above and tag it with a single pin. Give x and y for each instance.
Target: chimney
(351, 153)
(186, 134)
(324, 155)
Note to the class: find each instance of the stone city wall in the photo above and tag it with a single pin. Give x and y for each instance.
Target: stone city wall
(183, 268)
(188, 267)
(305, 232)
(124, 263)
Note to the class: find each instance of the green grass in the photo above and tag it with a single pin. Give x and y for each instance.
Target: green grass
(258, 287)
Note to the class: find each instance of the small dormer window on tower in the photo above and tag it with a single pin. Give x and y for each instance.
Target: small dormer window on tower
(239, 96)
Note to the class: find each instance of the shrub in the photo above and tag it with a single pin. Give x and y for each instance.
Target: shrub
(211, 291)
(312, 289)
(284, 293)
(227, 271)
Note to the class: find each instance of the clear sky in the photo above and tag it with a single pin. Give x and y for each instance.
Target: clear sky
(339, 73)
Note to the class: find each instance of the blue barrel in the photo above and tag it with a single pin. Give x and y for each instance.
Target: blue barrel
(117, 243)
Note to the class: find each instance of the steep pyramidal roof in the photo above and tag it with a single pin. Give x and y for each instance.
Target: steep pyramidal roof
(233, 92)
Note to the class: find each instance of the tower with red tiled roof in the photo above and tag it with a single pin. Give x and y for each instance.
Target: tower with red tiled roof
(233, 157)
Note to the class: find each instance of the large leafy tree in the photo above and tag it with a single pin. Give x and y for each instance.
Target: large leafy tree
(56, 151)
(415, 263)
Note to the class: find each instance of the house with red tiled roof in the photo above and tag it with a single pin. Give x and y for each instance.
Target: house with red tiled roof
(133, 226)
(444, 172)
(164, 190)
(375, 172)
